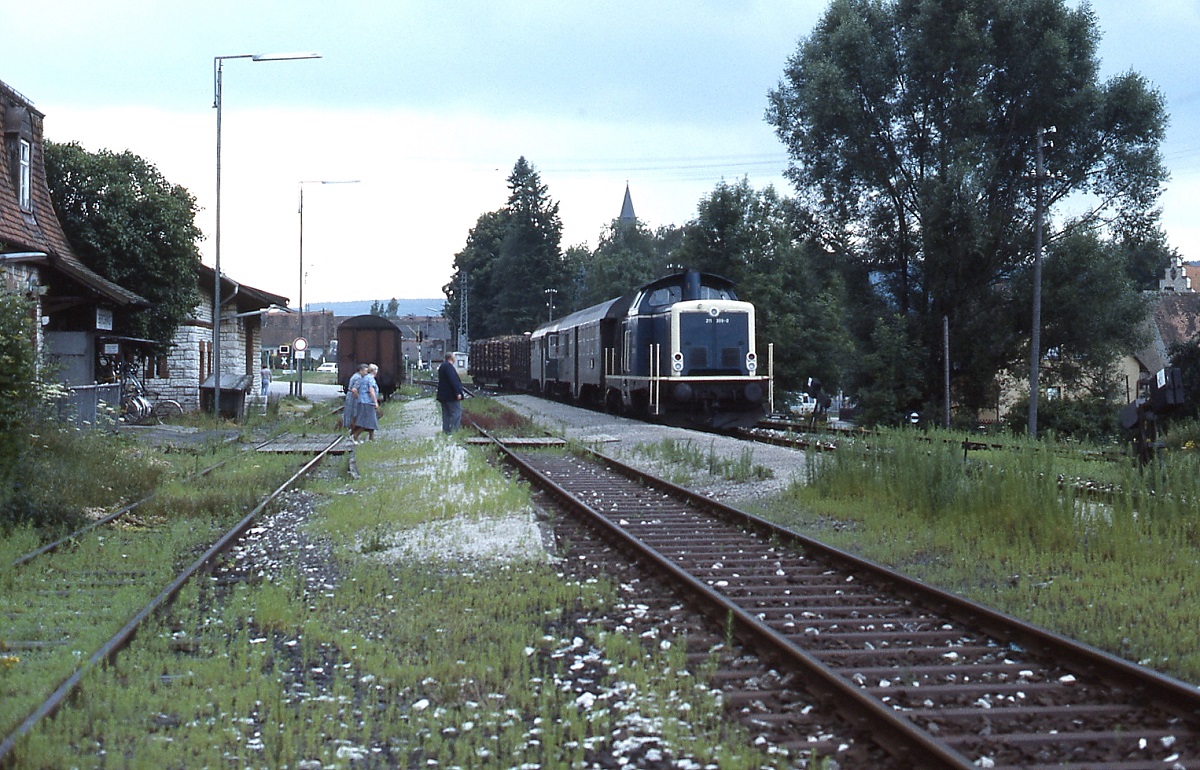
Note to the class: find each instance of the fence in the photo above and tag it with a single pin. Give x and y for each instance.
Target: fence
(85, 403)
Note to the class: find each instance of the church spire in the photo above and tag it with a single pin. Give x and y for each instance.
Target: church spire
(627, 218)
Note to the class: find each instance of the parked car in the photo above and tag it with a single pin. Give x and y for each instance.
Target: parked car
(328, 366)
(802, 404)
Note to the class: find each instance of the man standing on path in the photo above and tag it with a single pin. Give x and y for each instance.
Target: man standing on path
(450, 395)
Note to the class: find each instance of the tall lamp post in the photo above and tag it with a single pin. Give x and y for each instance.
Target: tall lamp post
(300, 301)
(218, 75)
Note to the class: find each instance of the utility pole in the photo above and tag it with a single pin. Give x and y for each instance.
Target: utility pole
(462, 314)
(1035, 339)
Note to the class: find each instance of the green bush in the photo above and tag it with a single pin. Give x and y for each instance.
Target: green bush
(17, 393)
(1086, 419)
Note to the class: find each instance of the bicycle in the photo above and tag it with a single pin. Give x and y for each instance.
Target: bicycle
(137, 408)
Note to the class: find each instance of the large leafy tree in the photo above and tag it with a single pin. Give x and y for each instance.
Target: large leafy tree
(129, 224)
(764, 242)
(473, 270)
(530, 259)
(628, 255)
(913, 126)
(511, 257)
(1083, 336)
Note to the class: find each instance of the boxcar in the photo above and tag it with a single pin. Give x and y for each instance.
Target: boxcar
(371, 339)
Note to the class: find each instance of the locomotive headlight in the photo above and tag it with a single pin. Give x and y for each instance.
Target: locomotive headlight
(714, 311)
(751, 362)
(677, 361)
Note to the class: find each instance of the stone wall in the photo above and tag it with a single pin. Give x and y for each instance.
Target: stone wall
(189, 361)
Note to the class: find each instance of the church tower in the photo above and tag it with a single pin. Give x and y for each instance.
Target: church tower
(627, 218)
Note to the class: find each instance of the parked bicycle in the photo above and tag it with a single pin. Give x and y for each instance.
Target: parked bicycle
(139, 404)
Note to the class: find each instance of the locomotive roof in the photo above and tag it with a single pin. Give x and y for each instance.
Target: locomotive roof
(706, 279)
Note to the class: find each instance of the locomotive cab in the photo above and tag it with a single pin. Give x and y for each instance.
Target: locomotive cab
(688, 349)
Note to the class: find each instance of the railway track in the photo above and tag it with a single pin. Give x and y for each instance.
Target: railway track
(797, 436)
(936, 680)
(802, 434)
(95, 594)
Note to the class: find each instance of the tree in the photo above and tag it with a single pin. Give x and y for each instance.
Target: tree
(530, 258)
(1085, 336)
(126, 222)
(912, 125)
(473, 268)
(764, 243)
(1145, 254)
(628, 255)
(17, 363)
(511, 257)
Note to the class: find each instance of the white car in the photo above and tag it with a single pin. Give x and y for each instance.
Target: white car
(803, 405)
(328, 366)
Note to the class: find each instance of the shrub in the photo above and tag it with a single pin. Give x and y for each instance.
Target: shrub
(17, 393)
(1086, 419)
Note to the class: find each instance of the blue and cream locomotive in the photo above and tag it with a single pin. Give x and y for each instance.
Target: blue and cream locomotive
(680, 349)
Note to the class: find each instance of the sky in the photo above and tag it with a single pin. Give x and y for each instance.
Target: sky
(426, 105)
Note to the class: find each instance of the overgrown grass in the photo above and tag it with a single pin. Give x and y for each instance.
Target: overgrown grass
(72, 601)
(1118, 572)
(66, 472)
(682, 457)
(419, 661)
(496, 418)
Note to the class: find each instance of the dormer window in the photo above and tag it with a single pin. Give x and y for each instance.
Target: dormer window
(25, 176)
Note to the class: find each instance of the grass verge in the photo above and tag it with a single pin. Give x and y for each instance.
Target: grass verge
(1117, 573)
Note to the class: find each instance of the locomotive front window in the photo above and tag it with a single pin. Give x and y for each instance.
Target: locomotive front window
(660, 298)
(711, 292)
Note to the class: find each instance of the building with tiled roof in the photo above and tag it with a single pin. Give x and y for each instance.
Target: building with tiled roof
(73, 305)
(1174, 318)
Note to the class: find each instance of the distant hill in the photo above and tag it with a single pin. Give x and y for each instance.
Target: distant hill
(362, 307)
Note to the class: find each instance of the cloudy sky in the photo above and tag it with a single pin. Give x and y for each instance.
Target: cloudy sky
(430, 103)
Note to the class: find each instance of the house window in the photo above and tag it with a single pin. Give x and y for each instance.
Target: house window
(25, 180)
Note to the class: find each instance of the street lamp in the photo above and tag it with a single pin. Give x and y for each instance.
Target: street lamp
(300, 301)
(550, 293)
(218, 72)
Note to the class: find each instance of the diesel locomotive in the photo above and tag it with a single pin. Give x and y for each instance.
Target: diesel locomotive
(680, 349)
